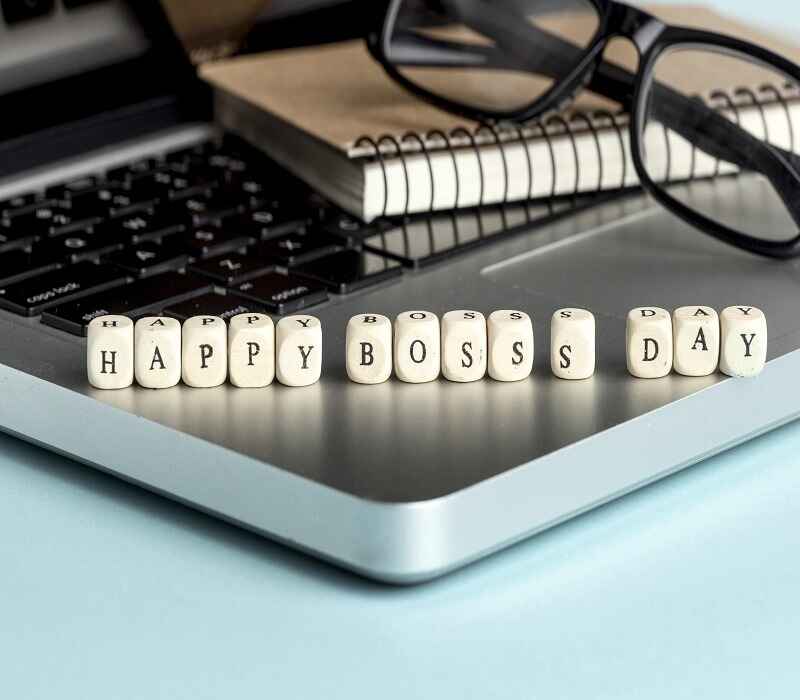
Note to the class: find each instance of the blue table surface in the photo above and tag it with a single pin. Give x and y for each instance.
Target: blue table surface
(687, 589)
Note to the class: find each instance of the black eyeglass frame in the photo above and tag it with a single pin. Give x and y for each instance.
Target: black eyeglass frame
(652, 38)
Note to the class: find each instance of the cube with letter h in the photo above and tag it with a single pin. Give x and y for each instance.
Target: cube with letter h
(649, 342)
(368, 348)
(109, 352)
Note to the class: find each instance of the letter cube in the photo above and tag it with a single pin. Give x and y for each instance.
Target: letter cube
(251, 350)
(510, 336)
(205, 351)
(464, 346)
(743, 350)
(696, 340)
(417, 347)
(157, 352)
(368, 348)
(298, 350)
(572, 344)
(649, 342)
(109, 352)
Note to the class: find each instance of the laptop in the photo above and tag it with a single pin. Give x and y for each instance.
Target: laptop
(119, 194)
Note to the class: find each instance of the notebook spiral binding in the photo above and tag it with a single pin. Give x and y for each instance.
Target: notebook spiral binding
(547, 129)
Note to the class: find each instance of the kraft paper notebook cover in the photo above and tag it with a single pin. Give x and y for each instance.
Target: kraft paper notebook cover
(308, 108)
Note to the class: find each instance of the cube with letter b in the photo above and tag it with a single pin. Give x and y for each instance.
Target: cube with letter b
(649, 342)
(205, 351)
(251, 350)
(298, 350)
(368, 348)
(109, 352)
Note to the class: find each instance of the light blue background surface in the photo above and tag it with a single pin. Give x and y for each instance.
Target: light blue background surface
(690, 588)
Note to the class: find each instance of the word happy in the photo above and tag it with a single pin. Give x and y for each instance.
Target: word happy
(463, 346)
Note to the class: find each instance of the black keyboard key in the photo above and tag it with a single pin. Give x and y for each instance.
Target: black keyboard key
(142, 226)
(148, 259)
(206, 241)
(225, 307)
(81, 185)
(281, 293)
(231, 269)
(12, 238)
(131, 172)
(105, 202)
(349, 270)
(142, 297)
(210, 208)
(39, 220)
(31, 296)
(18, 265)
(20, 203)
(76, 246)
(21, 10)
(349, 228)
(266, 224)
(298, 248)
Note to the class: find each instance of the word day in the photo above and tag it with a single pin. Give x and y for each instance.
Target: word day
(464, 346)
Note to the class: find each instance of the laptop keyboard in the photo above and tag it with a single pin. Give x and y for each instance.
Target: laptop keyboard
(216, 228)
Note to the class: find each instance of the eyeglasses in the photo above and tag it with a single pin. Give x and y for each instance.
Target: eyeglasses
(515, 60)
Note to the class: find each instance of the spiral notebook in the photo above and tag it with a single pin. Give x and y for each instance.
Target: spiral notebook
(332, 116)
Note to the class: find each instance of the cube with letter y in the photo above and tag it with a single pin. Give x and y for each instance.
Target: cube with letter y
(298, 350)
(109, 352)
(649, 342)
(743, 350)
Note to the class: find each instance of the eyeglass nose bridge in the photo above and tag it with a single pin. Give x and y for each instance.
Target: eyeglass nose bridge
(628, 22)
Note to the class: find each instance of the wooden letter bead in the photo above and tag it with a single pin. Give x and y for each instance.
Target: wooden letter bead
(649, 343)
(464, 346)
(299, 350)
(744, 341)
(205, 351)
(572, 344)
(696, 340)
(510, 335)
(417, 347)
(109, 352)
(368, 348)
(251, 350)
(157, 352)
